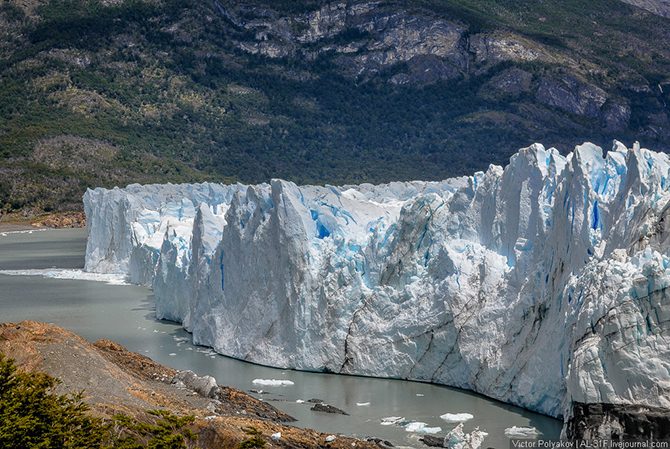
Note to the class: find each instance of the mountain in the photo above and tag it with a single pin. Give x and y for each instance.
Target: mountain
(545, 284)
(109, 92)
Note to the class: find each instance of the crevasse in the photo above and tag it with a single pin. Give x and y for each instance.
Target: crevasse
(540, 284)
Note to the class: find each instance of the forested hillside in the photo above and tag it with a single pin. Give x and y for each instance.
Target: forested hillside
(109, 92)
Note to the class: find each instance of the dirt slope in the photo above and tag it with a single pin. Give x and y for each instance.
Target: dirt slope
(116, 380)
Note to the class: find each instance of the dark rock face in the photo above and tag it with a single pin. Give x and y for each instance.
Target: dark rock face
(614, 421)
(572, 95)
(325, 408)
(379, 36)
(658, 125)
(615, 115)
(432, 47)
(512, 82)
(414, 47)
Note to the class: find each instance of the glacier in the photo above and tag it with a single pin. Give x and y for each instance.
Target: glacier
(542, 284)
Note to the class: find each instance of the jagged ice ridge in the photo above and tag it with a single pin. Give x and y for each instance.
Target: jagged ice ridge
(540, 284)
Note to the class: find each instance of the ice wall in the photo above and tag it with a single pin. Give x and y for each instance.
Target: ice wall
(539, 284)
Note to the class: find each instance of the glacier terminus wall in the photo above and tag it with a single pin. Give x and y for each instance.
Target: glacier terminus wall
(543, 284)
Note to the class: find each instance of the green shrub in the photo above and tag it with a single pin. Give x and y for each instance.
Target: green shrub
(168, 432)
(255, 439)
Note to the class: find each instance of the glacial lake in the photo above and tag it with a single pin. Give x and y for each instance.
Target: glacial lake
(125, 314)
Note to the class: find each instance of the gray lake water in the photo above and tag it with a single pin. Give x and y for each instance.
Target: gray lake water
(125, 314)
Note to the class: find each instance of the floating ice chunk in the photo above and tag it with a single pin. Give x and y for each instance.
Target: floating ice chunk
(457, 439)
(25, 231)
(362, 404)
(421, 427)
(521, 432)
(415, 426)
(392, 420)
(172, 354)
(420, 395)
(272, 382)
(456, 417)
(73, 275)
(299, 401)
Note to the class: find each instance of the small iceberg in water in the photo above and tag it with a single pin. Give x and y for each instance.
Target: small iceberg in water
(456, 417)
(521, 432)
(272, 382)
(392, 420)
(421, 427)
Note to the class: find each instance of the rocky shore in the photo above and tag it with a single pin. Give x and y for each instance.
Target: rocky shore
(115, 380)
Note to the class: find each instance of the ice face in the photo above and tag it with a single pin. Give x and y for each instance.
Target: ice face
(539, 284)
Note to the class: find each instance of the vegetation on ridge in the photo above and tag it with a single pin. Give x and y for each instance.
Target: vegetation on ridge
(106, 93)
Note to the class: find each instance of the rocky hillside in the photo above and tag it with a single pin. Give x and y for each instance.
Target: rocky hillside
(115, 380)
(660, 7)
(108, 92)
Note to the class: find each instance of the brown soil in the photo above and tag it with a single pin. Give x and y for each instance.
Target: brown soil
(20, 222)
(116, 380)
(60, 220)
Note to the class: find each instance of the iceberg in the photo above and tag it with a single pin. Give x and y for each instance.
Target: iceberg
(521, 432)
(393, 421)
(272, 382)
(458, 439)
(542, 284)
(421, 427)
(456, 417)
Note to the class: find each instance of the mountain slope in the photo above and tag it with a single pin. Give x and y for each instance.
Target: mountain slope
(107, 92)
(660, 7)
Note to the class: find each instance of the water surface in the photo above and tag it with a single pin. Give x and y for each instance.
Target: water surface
(125, 314)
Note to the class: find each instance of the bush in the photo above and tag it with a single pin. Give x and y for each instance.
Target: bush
(168, 432)
(255, 440)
